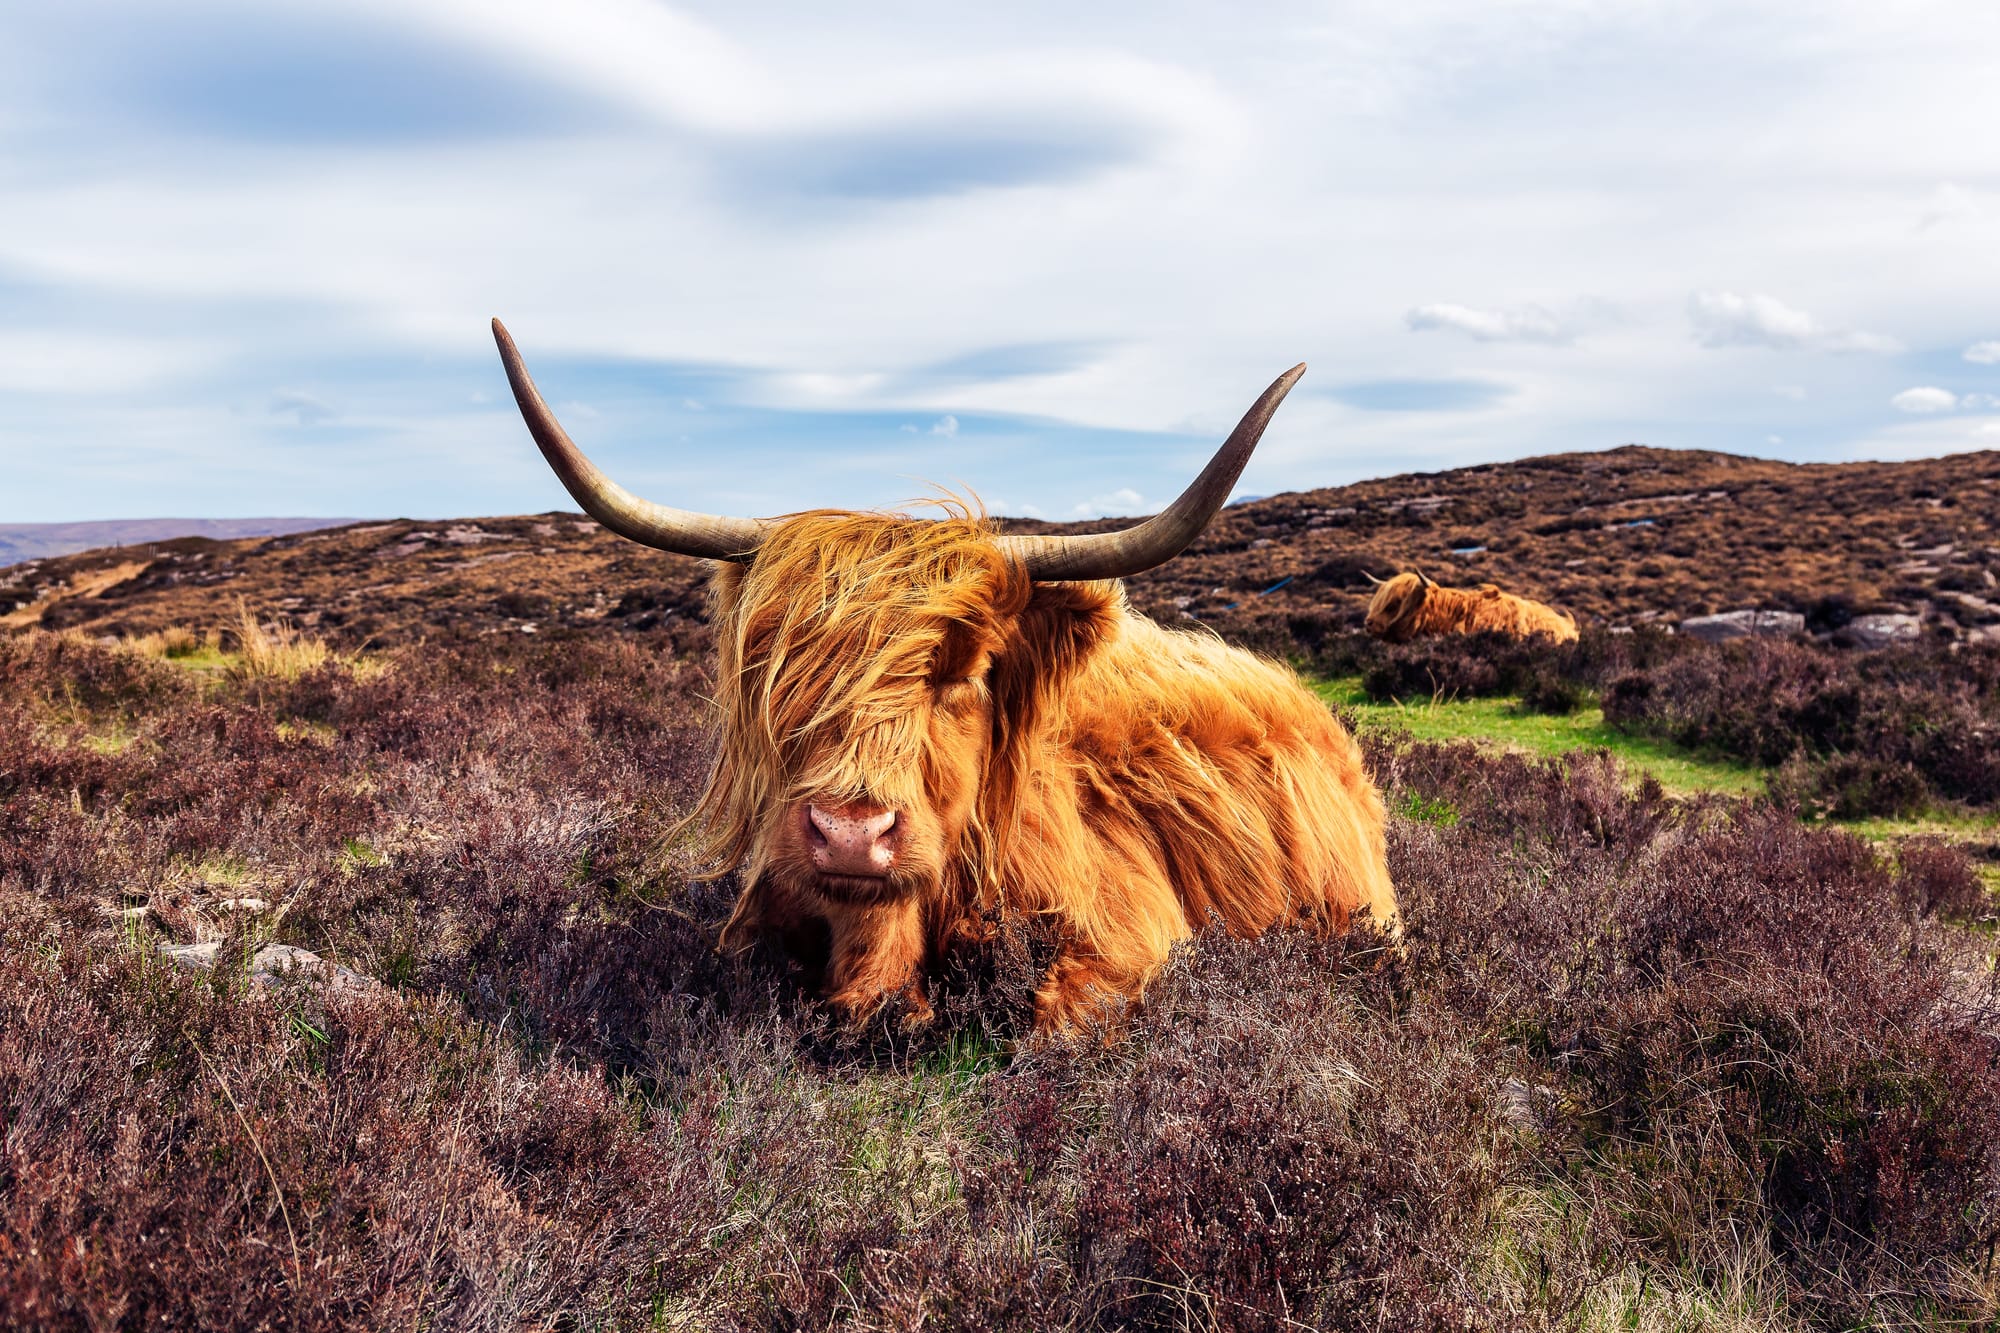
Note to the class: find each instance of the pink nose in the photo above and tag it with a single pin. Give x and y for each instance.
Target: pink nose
(852, 839)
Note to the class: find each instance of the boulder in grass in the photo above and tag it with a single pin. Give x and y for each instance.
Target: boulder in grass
(1743, 625)
(272, 963)
(1881, 631)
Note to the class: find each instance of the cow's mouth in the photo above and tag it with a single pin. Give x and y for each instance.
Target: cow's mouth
(855, 888)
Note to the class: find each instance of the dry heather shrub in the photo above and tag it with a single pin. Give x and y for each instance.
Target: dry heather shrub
(70, 671)
(1759, 1027)
(1879, 733)
(1626, 1034)
(1303, 1157)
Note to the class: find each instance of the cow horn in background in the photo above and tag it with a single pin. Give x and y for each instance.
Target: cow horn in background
(1422, 581)
(1114, 555)
(683, 531)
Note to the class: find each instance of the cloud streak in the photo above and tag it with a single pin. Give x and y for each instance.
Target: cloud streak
(1732, 319)
(1529, 324)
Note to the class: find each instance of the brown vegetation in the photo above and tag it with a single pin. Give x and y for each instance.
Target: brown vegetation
(1640, 1063)
(1631, 536)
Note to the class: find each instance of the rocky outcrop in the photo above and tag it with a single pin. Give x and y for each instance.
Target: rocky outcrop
(272, 964)
(1880, 631)
(1743, 625)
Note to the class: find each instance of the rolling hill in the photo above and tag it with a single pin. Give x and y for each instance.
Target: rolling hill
(1621, 537)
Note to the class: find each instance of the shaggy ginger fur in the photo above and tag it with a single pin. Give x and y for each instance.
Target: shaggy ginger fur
(1046, 750)
(1410, 606)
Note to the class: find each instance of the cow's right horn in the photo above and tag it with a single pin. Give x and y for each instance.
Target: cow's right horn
(683, 531)
(1114, 555)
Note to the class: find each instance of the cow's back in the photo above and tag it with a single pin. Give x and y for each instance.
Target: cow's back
(1203, 780)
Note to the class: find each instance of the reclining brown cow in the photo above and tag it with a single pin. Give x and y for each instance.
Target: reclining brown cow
(923, 723)
(1410, 606)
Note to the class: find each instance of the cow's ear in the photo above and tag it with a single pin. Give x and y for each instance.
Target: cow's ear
(1053, 636)
(964, 652)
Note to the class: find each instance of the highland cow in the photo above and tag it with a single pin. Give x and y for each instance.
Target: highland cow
(1410, 606)
(926, 725)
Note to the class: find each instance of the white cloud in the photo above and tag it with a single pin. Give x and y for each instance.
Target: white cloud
(1795, 392)
(1774, 439)
(1926, 398)
(1979, 402)
(1529, 324)
(1732, 319)
(1985, 353)
(362, 264)
(946, 425)
(1124, 500)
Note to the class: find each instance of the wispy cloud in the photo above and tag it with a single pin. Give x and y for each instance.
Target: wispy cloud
(1528, 324)
(1124, 500)
(1984, 353)
(1732, 319)
(1925, 398)
(1930, 399)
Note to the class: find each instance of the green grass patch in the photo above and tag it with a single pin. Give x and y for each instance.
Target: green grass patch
(1500, 722)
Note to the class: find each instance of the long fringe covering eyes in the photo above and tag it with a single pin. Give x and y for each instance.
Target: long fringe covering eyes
(829, 651)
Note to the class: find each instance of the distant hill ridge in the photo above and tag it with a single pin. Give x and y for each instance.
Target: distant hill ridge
(1623, 537)
(39, 541)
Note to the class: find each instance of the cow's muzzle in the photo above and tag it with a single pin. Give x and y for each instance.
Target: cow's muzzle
(856, 841)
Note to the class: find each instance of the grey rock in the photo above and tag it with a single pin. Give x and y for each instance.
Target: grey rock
(1883, 630)
(276, 962)
(272, 964)
(1743, 625)
(198, 956)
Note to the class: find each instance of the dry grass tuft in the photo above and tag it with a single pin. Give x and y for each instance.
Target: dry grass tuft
(174, 642)
(274, 650)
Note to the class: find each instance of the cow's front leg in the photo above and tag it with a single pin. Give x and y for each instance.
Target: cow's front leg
(1079, 993)
(878, 951)
(765, 910)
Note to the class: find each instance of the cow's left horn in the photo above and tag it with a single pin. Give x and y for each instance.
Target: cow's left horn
(712, 536)
(1114, 555)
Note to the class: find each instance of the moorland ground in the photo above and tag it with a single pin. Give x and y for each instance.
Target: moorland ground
(1627, 537)
(1695, 1025)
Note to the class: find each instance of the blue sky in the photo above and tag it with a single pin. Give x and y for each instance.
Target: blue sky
(763, 258)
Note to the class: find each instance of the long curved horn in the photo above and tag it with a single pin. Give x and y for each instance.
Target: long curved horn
(683, 531)
(1372, 579)
(1115, 555)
